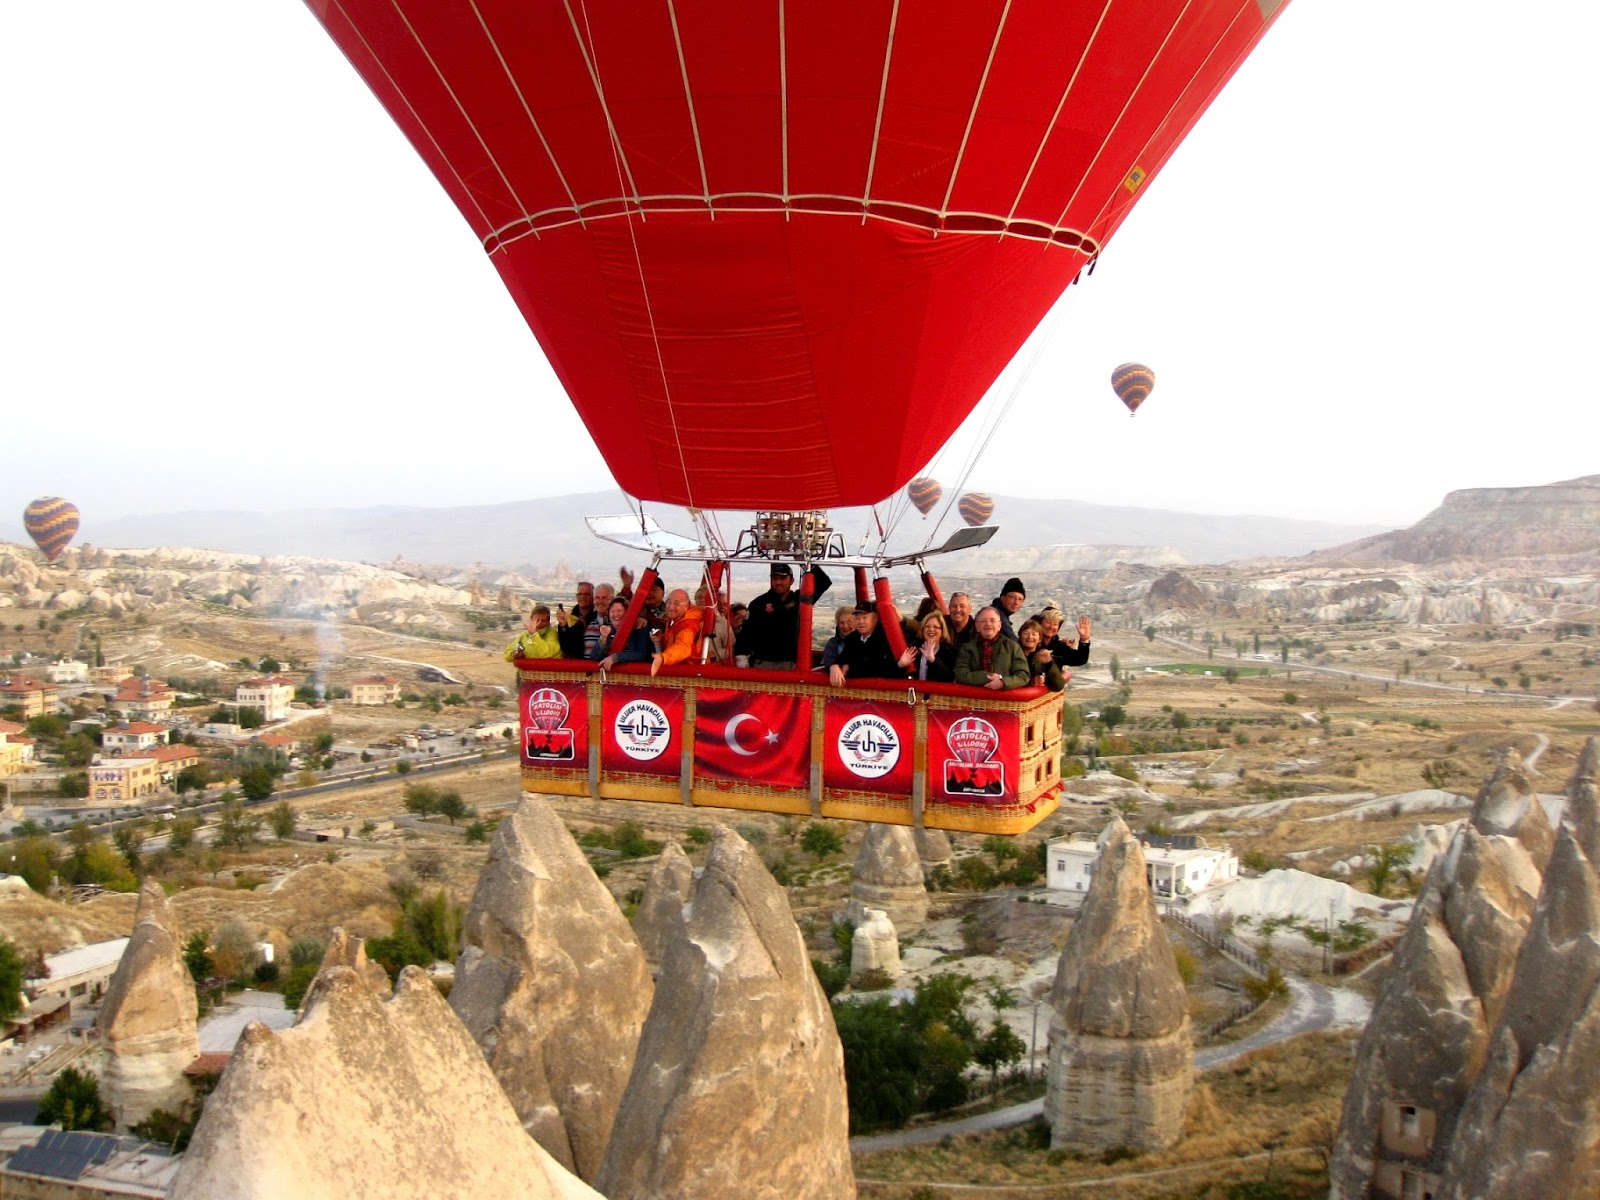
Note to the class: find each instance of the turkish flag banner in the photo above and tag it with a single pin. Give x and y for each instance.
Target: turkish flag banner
(555, 725)
(641, 730)
(973, 758)
(867, 746)
(746, 737)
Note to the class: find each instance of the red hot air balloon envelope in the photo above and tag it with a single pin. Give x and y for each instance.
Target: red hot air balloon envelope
(51, 522)
(727, 223)
(1133, 383)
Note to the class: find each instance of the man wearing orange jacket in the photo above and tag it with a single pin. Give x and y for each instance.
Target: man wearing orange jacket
(680, 641)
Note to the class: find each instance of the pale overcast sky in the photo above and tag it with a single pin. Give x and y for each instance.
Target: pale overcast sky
(1366, 279)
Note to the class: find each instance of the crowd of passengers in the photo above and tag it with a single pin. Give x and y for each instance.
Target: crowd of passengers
(994, 648)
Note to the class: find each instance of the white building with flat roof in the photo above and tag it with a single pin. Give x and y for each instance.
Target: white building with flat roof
(1178, 864)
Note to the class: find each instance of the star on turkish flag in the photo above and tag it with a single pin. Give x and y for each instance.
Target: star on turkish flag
(753, 738)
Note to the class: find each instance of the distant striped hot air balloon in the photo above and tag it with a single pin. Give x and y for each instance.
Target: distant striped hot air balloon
(924, 493)
(976, 508)
(1133, 382)
(51, 522)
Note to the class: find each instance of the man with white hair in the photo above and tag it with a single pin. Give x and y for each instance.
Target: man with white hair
(992, 660)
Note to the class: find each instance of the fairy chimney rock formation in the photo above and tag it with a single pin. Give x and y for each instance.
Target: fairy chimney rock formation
(366, 1098)
(875, 947)
(1121, 1047)
(148, 1021)
(888, 876)
(660, 910)
(552, 985)
(344, 950)
(738, 1088)
(933, 847)
(1477, 1073)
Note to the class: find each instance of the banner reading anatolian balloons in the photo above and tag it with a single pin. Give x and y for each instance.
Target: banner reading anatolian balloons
(555, 725)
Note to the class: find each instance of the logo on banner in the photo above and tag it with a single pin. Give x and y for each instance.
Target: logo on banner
(868, 746)
(972, 772)
(642, 730)
(747, 743)
(546, 735)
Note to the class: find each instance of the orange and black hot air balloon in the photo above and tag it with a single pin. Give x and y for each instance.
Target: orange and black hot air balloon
(924, 493)
(1133, 383)
(51, 522)
(976, 508)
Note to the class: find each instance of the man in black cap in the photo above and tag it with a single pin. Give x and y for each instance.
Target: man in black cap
(1008, 603)
(866, 653)
(770, 636)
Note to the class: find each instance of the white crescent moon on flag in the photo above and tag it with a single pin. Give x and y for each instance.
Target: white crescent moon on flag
(731, 735)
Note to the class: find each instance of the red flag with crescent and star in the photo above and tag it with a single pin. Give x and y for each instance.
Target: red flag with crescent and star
(757, 739)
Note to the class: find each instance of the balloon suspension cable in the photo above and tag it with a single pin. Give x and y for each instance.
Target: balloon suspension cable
(997, 415)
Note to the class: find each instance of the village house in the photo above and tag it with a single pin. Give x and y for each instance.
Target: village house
(270, 693)
(109, 675)
(375, 689)
(33, 696)
(67, 671)
(78, 974)
(172, 759)
(16, 749)
(143, 699)
(132, 737)
(1175, 864)
(119, 780)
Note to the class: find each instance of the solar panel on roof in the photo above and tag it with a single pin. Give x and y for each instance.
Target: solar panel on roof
(54, 1164)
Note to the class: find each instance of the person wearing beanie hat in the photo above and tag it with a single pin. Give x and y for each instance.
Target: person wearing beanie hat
(1008, 603)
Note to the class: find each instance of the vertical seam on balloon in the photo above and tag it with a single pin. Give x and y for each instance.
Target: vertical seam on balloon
(783, 98)
(1127, 104)
(972, 113)
(877, 122)
(415, 116)
(619, 160)
(527, 110)
(461, 108)
(688, 100)
(618, 154)
(1050, 129)
(1198, 111)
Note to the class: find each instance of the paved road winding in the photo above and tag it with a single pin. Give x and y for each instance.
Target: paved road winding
(1310, 1009)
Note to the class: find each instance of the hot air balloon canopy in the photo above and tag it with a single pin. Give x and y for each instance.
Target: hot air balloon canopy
(727, 223)
(924, 493)
(976, 508)
(52, 523)
(1133, 383)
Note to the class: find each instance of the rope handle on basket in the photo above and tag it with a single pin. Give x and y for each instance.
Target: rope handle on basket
(911, 696)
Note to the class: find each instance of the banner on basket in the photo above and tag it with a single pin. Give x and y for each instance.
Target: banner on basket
(555, 725)
(747, 737)
(973, 758)
(868, 745)
(641, 730)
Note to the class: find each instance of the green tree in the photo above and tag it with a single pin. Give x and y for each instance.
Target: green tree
(250, 717)
(1116, 667)
(257, 782)
(307, 951)
(477, 832)
(73, 785)
(13, 970)
(197, 955)
(402, 766)
(998, 1048)
(1386, 862)
(1231, 674)
(180, 833)
(819, 841)
(233, 950)
(1113, 715)
(77, 750)
(452, 807)
(324, 743)
(192, 779)
(73, 1102)
(37, 859)
(236, 827)
(283, 819)
(421, 799)
(882, 1062)
(296, 983)
(129, 839)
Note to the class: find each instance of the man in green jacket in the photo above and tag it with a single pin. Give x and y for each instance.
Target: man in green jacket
(992, 660)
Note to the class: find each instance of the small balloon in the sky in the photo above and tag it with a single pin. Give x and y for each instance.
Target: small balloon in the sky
(1133, 382)
(924, 493)
(976, 508)
(51, 522)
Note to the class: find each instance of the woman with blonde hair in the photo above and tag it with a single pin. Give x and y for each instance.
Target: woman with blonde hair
(1046, 673)
(933, 656)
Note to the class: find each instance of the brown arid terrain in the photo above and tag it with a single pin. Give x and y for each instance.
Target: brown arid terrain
(1317, 716)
